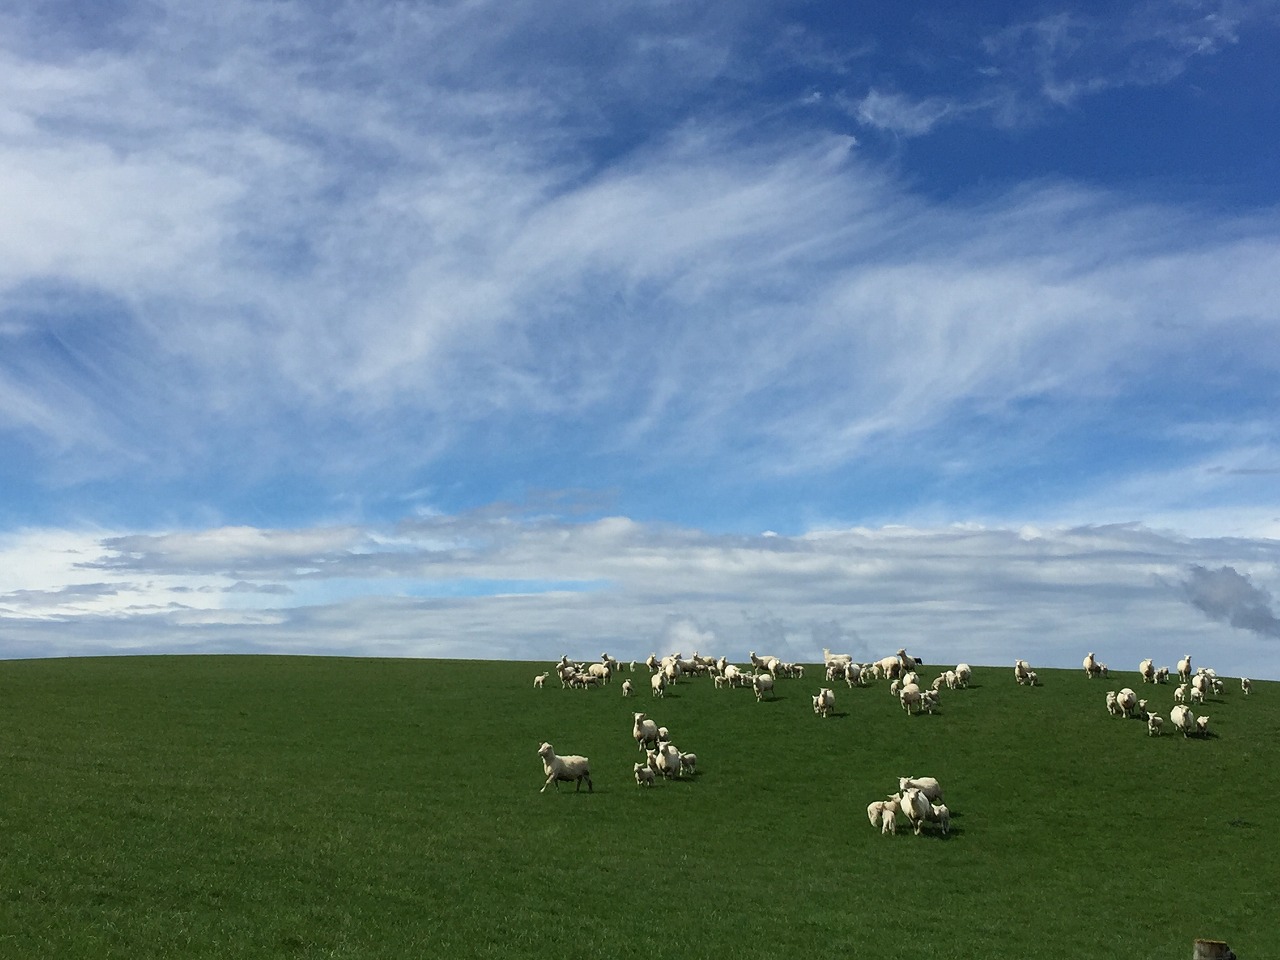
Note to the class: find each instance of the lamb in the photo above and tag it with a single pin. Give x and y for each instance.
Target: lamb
(1202, 725)
(1147, 669)
(1113, 704)
(1197, 695)
(1032, 679)
(538, 680)
(929, 786)
(1020, 670)
(1246, 685)
(824, 702)
(939, 814)
(626, 688)
(875, 807)
(644, 774)
(889, 819)
(664, 735)
(929, 700)
(852, 674)
(1154, 723)
(1182, 719)
(644, 731)
(688, 763)
(1162, 675)
(762, 683)
(1180, 693)
(564, 768)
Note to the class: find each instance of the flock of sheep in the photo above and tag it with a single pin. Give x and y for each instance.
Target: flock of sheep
(918, 800)
(1192, 687)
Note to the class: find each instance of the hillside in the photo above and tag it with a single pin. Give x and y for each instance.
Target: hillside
(307, 807)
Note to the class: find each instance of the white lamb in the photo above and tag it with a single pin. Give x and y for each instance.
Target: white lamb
(874, 809)
(688, 763)
(1246, 685)
(1020, 670)
(626, 688)
(1202, 725)
(657, 685)
(1113, 704)
(538, 680)
(939, 814)
(564, 768)
(889, 819)
(644, 774)
(1180, 693)
(1154, 723)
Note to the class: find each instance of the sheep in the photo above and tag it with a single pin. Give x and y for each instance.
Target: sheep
(626, 688)
(1104, 670)
(939, 814)
(828, 658)
(665, 760)
(889, 819)
(1154, 723)
(538, 680)
(824, 702)
(1184, 668)
(964, 673)
(1127, 701)
(1020, 670)
(929, 700)
(1180, 693)
(1147, 670)
(1197, 695)
(762, 683)
(874, 809)
(895, 688)
(1032, 679)
(890, 667)
(1202, 682)
(657, 685)
(600, 671)
(916, 807)
(644, 731)
(564, 768)
(910, 697)
(910, 677)
(644, 774)
(939, 682)
(688, 763)
(1113, 704)
(929, 786)
(664, 735)
(1090, 666)
(1162, 675)
(1202, 725)
(1246, 685)
(1182, 719)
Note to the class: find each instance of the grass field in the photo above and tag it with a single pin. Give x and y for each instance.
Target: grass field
(304, 807)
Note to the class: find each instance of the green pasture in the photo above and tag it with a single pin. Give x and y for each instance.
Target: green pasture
(228, 807)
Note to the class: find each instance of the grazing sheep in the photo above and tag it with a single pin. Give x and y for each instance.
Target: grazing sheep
(564, 768)
(1184, 668)
(644, 731)
(657, 685)
(1090, 666)
(644, 774)
(824, 702)
(1154, 724)
(1182, 719)
(929, 786)
(1202, 725)
(538, 680)
(626, 688)
(1147, 670)
(1246, 685)
(762, 683)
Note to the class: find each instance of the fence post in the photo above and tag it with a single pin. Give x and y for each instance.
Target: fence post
(1212, 950)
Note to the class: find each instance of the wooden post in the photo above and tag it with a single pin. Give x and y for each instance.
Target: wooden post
(1212, 950)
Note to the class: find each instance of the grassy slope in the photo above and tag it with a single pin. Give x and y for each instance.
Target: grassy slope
(274, 807)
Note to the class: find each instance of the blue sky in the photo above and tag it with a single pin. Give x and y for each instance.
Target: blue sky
(519, 329)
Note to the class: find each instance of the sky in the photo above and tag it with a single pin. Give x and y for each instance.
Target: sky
(512, 330)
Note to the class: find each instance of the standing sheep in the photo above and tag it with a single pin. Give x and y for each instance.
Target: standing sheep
(824, 702)
(626, 688)
(1090, 666)
(1246, 685)
(1147, 670)
(644, 731)
(762, 683)
(1182, 719)
(1184, 668)
(538, 681)
(564, 768)
(657, 685)
(1154, 724)
(644, 774)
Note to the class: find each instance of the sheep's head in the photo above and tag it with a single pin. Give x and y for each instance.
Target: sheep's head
(545, 750)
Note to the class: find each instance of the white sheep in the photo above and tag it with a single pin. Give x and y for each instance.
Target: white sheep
(964, 673)
(1020, 670)
(657, 685)
(644, 731)
(762, 683)
(1182, 719)
(644, 774)
(1162, 675)
(1184, 668)
(1180, 693)
(564, 768)
(1090, 666)
(538, 680)
(626, 688)
(929, 700)
(824, 702)
(664, 735)
(916, 807)
(889, 819)
(929, 786)
(1154, 724)
(939, 814)
(1113, 704)
(1246, 685)
(1202, 725)
(910, 697)
(874, 809)
(1197, 695)
(665, 760)
(688, 763)
(1127, 701)
(1147, 670)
